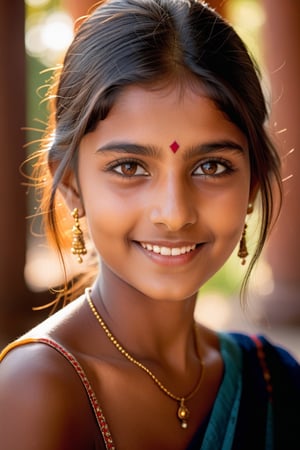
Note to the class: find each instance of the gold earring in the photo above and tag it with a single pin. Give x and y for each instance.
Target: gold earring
(243, 251)
(78, 244)
(250, 208)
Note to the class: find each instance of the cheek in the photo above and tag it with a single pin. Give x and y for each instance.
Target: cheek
(109, 218)
(227, 215)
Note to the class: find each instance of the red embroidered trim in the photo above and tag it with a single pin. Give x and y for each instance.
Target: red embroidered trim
(262, 359)
(91, 394)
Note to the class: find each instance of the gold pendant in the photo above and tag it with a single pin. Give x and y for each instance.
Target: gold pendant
(183, 414)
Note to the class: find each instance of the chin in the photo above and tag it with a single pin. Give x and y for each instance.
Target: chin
(173, 294)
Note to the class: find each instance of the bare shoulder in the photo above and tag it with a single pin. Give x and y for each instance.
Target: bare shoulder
(40, 400)
(61, 323)
(208, 337)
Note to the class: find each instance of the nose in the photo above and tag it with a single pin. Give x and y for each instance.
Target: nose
(174, 204)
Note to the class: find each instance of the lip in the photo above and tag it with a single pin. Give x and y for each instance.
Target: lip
(170, 253)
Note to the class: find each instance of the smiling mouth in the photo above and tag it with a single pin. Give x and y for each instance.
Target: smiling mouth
(168, 251)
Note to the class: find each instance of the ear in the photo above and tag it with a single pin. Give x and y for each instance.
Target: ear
(70, 190)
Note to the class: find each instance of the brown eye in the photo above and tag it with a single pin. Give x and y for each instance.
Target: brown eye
(210, 168)
(213, 168)
(129, 169)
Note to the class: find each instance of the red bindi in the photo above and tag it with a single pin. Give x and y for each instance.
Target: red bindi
(174, 146)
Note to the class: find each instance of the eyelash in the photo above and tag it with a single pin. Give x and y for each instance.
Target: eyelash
(227, 165)
(121, 162)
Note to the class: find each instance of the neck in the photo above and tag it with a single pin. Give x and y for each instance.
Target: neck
(156, 330)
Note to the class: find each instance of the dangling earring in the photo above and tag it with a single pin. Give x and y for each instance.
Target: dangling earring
(78, 244)
(250, 208)
(243, 252)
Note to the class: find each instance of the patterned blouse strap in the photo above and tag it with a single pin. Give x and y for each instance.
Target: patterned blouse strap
(263, 363)
(107, 438)
(261, 355)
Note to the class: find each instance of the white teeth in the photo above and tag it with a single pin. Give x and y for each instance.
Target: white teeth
(168, 251)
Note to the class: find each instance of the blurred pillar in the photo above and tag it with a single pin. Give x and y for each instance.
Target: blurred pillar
(12, 195)
(282, 39)
(15, 299)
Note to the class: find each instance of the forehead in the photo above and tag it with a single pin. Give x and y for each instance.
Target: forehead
(172, 96)
(165, 114)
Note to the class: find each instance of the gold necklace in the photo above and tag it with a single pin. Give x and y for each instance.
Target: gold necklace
(182, 411)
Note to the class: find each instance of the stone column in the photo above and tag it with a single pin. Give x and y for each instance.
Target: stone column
(12, 194)
(16, 301)
(282, 40)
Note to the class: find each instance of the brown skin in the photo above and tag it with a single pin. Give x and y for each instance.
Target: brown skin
(146, 299)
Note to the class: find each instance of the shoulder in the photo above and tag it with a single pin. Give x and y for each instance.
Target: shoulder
(276, 355)
(39, 394)
(270, 391)
(261, 356)
(35, 366)
(61, 323)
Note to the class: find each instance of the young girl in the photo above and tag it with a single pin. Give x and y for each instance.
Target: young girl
(159, 143)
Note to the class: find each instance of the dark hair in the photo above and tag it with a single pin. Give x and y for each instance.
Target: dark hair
(147, 42)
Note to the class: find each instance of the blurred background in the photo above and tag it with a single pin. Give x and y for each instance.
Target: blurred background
(33, 38)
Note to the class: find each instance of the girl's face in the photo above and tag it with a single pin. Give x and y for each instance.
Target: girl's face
(165, 183)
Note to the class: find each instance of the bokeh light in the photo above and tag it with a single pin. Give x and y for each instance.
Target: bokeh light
(48, 35)
(37, 3)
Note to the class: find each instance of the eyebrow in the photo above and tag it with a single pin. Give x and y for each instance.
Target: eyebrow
(154, 152)
(210, 147)
(126, 147)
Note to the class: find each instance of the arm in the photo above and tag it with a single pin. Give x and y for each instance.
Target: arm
(42, 403)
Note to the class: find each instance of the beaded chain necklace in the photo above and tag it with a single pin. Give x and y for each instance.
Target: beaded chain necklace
(183, 412)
